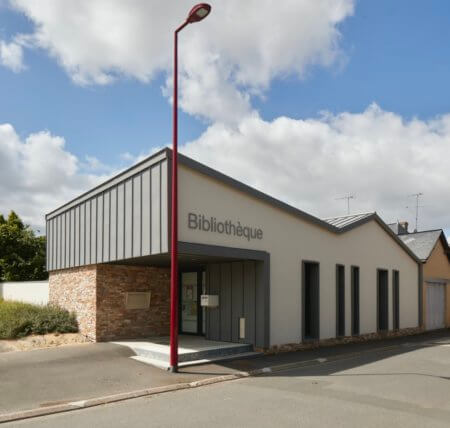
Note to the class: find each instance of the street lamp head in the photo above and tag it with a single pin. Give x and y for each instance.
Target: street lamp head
(198, 12)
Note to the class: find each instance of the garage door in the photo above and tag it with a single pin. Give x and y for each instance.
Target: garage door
(435, 306)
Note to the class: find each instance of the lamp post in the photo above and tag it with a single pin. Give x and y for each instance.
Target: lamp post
(197, 13)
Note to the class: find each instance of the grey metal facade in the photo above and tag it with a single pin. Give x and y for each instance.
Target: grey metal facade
(126, 217)
(242, 294)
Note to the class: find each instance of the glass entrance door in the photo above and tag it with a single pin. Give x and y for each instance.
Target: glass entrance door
(189, 302)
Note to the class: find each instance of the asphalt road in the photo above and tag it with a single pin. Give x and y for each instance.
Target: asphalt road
(409, 386)
(45, 377)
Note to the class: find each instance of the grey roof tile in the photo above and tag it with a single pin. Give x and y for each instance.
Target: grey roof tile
(421, 243)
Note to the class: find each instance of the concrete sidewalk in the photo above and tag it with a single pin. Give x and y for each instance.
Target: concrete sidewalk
(51, 378)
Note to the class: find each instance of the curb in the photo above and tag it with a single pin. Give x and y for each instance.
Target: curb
(92, 402)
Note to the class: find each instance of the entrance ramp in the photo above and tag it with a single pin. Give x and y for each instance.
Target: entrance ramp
(191, 350)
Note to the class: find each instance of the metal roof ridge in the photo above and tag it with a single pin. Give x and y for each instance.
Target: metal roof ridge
(350, 215)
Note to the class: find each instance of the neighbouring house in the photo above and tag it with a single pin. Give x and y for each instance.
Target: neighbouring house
(253, 269)
(431, 247)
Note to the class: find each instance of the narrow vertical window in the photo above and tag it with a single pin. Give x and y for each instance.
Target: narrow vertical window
(310, 298)
(396, 299)
(382, 299)
(355, 300)
(340, 300)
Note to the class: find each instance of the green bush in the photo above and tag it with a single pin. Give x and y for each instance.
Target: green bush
(21, 319)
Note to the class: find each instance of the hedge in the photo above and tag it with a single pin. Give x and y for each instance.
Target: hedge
(21, 319)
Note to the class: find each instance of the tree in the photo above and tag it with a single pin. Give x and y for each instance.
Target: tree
(22, 254)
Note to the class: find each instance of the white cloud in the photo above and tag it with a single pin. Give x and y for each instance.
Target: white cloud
(131, 159)
(375, 155)
(37, 174)
(234, 53)
(224, 61)
(11, 56)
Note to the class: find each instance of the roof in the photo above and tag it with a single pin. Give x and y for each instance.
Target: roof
(423, 243)
(347, 220)
(206, 170)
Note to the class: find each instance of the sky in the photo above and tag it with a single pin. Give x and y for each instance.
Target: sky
(310, 103)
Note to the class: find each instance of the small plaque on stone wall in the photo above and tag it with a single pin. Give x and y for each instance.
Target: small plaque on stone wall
(137, 300)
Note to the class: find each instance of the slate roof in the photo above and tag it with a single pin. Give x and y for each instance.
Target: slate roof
(397, 228)
(347, 220)
(422, 243)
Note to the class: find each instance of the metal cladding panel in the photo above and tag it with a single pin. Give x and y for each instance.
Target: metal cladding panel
(128, 236)
(72, 238)
(237, 296)
(164, 208)
(213, 331)
(49, 245)
(50, 249)
(120, 221)
(249, 301)
(77, 237)
(113, 225)
(106, 225)
(55, 243)
(47, 249)
(242, 291)
(126, 220)
(137, 215)
(58, 243)
(146, 196)
(82, 234)
(52, 234)
(156, 210)
(94, 230)
(88, 233)
(67, 234)
(62, 263)
(261, 300)
(225, 302)
(207, 291)
(100, 211)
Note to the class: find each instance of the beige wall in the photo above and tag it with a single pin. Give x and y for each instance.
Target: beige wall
(437, 267)
(289, 240)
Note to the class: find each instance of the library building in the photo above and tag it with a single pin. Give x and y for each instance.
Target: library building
(253, 269)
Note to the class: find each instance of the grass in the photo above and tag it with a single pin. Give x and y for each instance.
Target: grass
(22, 319)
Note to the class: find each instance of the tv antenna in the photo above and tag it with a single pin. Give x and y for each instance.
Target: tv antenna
(417, 196)
(347, 198)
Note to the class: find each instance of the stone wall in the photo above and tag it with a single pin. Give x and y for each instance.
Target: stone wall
(114, 321)
(290, 347)
(97, 295)
(75, 290)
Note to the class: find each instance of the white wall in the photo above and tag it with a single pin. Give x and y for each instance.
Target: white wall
(29, 291)
(289, 240)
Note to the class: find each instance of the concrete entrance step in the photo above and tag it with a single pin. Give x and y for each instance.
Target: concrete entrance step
(164, 364)
(190, 348)
(185, 355)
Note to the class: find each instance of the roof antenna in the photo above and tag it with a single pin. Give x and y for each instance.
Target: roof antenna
(348, 197)
(417, 196)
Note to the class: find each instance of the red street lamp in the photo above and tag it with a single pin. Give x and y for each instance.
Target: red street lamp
(197, 13)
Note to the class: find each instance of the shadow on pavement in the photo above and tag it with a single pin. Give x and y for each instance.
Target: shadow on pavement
(349, 355)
